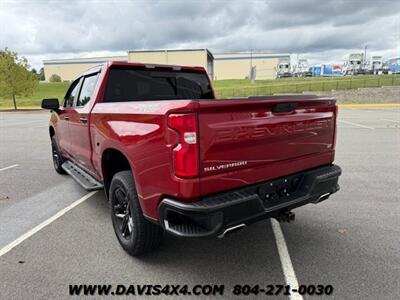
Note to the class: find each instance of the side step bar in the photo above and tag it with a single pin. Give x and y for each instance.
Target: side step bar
(82, 177)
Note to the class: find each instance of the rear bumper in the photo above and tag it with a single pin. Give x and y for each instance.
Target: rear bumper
(214, 214)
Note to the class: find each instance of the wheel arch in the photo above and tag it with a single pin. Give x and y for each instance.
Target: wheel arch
(52, 131)
(112, 162)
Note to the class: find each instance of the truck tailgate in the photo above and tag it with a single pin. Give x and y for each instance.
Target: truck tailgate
(246, 141)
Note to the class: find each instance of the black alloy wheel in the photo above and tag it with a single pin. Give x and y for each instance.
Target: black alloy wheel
(122, 214)
(56, 156)
(136, 234)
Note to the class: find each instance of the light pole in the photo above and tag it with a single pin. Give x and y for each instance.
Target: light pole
(365, 57)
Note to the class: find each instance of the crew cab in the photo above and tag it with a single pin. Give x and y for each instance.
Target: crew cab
(171, 157)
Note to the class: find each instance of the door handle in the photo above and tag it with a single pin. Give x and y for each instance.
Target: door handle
(66, 118)
(83, 120)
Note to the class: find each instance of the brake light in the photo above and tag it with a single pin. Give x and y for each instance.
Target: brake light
(335, 127)
(185, 154)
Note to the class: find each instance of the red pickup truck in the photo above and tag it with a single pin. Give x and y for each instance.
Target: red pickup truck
(171, 157)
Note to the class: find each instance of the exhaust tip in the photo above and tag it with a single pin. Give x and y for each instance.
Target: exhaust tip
(324, 197)
(231, 229)
(321, 198)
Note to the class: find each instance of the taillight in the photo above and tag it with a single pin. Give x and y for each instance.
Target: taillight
(185, 154)
(335, 128)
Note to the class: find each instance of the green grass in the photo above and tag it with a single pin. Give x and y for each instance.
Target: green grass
(233, 88)
(244, 88)
(44, 90)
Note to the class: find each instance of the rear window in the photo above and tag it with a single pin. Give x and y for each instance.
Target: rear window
(141, 85)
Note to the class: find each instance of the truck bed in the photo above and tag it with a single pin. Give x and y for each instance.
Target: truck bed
(244, 141)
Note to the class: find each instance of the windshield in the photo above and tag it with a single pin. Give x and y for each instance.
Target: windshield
(140, 85)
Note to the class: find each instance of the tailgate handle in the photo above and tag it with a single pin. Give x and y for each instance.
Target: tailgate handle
(284, 107)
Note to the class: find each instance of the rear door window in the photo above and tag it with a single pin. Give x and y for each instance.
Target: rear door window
(141, 85)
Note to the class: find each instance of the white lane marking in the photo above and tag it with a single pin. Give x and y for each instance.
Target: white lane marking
(355, 124)
(9, 167)
(37, 228)
(389, 120)
(286, 262)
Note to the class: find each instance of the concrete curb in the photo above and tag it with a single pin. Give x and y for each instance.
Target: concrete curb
(20, 109)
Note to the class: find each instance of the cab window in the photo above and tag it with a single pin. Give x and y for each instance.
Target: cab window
(148, 85)
(72, 93)
(88, 86)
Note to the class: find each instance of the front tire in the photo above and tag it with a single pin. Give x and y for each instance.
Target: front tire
(58, 160)
(135, 233)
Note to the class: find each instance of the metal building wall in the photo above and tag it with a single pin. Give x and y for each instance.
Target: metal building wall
(69, 69)
(219, 66)
(190, 57)
(237, 65)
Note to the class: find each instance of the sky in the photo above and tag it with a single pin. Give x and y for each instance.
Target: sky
(321, 31)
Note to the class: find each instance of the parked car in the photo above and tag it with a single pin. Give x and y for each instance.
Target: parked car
(170, 157)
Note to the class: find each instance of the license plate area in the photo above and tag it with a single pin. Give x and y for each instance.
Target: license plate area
(281, 190)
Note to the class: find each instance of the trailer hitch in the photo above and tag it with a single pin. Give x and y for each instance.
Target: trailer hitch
(285, 216)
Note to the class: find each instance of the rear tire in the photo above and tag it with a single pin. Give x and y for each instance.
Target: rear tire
(135, 233)
(58, 160)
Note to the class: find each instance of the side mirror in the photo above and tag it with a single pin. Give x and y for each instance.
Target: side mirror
(51, 103)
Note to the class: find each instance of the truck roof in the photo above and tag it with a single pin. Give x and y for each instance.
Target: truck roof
(124, 64)
(152, 65)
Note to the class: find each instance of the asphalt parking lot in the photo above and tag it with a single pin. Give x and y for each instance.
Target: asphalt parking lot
(351, 241)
